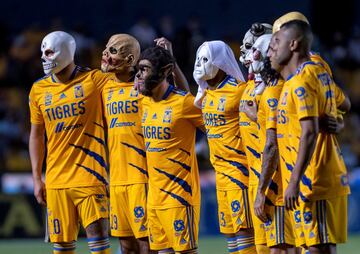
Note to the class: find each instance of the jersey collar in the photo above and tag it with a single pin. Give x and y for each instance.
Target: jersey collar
(168, 91)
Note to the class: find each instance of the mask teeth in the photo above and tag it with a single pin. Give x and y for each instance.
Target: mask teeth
(48, 66)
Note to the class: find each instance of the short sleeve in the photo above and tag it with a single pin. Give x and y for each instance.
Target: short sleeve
(100, 79)
(339, 95)
(191, 112)
(271, 97)
(305, 97)
(36, 116)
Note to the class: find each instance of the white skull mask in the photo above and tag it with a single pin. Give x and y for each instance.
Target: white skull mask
(256, 56)
(256, 30)
(58, 49)
(204, 68)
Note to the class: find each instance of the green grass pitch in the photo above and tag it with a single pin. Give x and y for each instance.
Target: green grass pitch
(207, 245)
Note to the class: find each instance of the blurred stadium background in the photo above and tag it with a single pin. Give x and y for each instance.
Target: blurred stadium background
(187, 24)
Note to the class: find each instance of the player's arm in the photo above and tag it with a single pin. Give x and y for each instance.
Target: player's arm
(37, 152)
(269, 164)
(309, 133)
(179, 77)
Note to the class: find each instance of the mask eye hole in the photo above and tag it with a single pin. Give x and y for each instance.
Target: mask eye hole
(113, 50)
(248, 46)
(49, 53)
(205, 59)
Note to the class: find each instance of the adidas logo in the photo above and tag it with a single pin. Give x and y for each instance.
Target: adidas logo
(211, 103)
(154, 116)
(121, 91)
(143, 228)
(62, 96)
(183, 241)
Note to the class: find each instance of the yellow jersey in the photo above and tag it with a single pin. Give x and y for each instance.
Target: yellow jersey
(169, 129)
(73, 119)
(249, 133)
(127, 155)
(220, 109)
(266, 118)
(311, 92)
(316, 58)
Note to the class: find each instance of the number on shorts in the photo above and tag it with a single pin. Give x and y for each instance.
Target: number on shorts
(114, 223)
(56, 226)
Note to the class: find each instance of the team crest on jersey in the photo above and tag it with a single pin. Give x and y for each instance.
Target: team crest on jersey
(167, 115)
(145, 114)
(48, 99)
(325, 79)
(79, 91)
(221, 105)
(110, 94)
(134, 93)
(121, 91)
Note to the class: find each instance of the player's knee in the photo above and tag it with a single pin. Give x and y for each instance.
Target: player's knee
(98, 228)
(129, 245)
(143, 245)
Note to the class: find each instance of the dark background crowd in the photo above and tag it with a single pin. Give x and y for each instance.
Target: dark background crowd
(187, 24)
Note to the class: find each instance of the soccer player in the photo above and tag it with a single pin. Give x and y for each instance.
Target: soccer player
(65, 105)
(279, 233)
(319, 174)
(249, 133)
(216, 68)
(169, 123)
(128, 169)
(127, 157)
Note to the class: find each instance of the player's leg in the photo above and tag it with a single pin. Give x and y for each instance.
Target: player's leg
(259, 228)
(120, 216)
(325, 224)
(62, 221)
(279, 231)
(137, 215)
(92, 208)
(235, 220)
(157, 237)
(181, 226)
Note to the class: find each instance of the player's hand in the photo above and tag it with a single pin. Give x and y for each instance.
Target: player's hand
(164, 43)
(250, 109)
(259, 207)
(329, 124)
(291, 196)
(40, 192)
